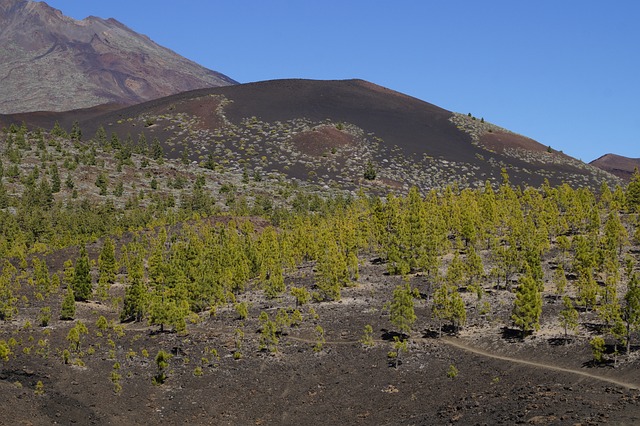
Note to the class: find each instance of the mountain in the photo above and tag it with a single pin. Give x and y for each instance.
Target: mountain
(623, 167)
(330, 132)
(50, 62)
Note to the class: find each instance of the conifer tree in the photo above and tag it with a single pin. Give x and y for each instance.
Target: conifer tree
(101, 136)
(633, 192)
(68, 311)
(8, 300)
(55, 179)
(560, 280)
(527, 307)
(401, 309)
(448, 305)
(631, 308)
(568, 316)
(107, 261)
(136, 298)
(76, 132)
(82, 287)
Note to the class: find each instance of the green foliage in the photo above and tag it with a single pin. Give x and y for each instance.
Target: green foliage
(320, 339)
(5, 351)
(632, 194)
(101, 323)
(370, 172)
(162, 364)
(631, 308)
(102, 182)
(268, 334)
(107, 261)
(301, 294)
(242, 309)
(44, 316)
(39, 388)
(74, 336)
(401, 309)
(597, 348)
(452, 372)
(68, 311)
(367, 336)
(82, 287)
(448, 305)
(568, 316)
(400, 346)
(527, 307)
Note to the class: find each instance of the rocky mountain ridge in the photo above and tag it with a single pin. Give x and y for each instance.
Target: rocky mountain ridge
(50, 62)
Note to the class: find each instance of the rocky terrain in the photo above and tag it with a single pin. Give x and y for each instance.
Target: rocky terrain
(623, 167)
(328, 132)
(50, 62)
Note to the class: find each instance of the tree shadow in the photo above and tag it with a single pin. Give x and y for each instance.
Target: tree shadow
(430, 334)
(449, 330)
(560, 341)
(595, 364)
(593, 327)
(390, 335)
(512, 335)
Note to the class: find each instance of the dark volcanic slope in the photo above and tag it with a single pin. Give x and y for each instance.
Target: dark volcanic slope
(623, 167)
(49, 62)
(328, 131)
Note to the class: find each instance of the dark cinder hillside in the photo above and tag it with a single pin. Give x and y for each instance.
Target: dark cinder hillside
(329, 132)
(50, 62)
(618, 165)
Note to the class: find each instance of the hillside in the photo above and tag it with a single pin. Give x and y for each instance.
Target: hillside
(328, 133)
(138, 289)
(617, 165)
(50, 62)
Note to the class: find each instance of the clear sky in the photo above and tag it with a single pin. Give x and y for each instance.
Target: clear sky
(564, 72)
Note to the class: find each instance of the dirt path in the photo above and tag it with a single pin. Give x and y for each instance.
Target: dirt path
(456, 343)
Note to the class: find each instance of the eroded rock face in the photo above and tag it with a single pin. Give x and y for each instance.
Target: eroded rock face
(50, 62)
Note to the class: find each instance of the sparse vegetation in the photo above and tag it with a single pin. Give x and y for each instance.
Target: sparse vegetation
(192, 262)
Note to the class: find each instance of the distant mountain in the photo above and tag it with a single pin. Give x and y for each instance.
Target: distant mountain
(50, 62)
(330, 132)
(623, 167)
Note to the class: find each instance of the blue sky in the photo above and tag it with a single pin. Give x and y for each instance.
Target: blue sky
(565, 73)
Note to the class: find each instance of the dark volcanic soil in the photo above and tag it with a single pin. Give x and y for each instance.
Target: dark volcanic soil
(343, 383)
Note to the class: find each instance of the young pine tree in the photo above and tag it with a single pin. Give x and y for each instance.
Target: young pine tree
(82, 288)
(401, 309)
(527, 307)
(68, 311)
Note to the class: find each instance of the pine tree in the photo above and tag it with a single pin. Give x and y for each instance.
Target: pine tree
(157, 152)
(107, 261)
(55, 179)
(633, 192)
(568, 316)
(527, 307)
(136, 298)
(448, 305)
(68, 311)
(82, 287)
(100, 136)
(401, 309)
(76, 132)
(631, 308)
(560, 280)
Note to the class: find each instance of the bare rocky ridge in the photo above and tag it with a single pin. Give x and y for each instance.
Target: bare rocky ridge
(50, 62)
(623, 167)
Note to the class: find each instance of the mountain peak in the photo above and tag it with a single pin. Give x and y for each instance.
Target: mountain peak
(52, 62)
